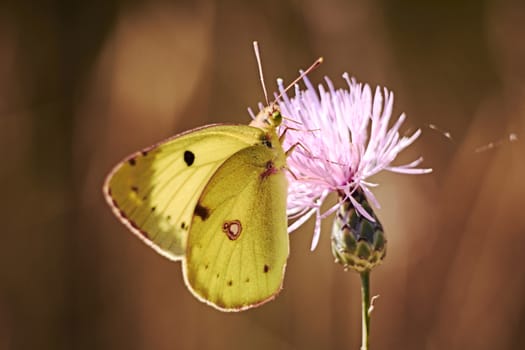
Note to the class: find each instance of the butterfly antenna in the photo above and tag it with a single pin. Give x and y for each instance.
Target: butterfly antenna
(259, 65)
(314, 65)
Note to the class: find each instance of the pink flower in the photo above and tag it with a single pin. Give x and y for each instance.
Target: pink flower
(344, 138)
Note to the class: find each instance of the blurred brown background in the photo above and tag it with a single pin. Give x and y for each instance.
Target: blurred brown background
(84, 83)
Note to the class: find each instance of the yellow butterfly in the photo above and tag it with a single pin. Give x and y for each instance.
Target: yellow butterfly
(215, 198)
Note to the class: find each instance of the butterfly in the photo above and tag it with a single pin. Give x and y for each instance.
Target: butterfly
(215, 198)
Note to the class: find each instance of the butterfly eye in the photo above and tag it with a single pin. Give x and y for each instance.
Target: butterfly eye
(276, 118)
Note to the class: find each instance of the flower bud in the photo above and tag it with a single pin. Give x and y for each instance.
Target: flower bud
(357, 242)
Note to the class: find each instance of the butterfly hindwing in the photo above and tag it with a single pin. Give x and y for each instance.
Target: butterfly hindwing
(238, 242)
(155, 191)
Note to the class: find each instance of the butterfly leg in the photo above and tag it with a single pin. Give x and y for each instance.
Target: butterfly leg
(290, 150)
(281, 138)
(295, 145)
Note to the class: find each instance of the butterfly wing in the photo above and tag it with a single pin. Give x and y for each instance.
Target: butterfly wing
(154, 192)
(238, 242)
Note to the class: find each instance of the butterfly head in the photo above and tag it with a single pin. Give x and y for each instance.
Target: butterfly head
(268, 117)
(274, 117)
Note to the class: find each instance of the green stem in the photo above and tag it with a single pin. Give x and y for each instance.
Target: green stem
(365, 295)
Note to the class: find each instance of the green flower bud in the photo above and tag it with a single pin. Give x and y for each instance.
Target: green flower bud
(357, 243)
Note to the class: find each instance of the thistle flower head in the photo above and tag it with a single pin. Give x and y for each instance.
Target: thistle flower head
(344, 137)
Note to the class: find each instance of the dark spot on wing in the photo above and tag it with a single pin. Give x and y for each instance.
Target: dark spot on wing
(132, 161)
(202, 212)
(265, 139)
(217, 276)
(168, 217)
(153, 209)
(183, 225)
(189, 158)
(135, 189)
(232, 229)
(206, 267)
(144, 153)
(230, 283)
(247, 280)
(266, 268)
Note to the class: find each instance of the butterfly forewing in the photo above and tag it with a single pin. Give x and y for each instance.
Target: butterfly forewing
(238, 243)
(155, 191)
